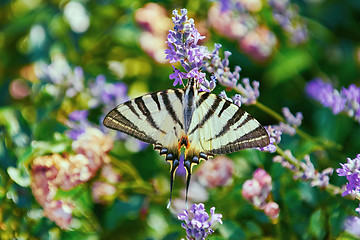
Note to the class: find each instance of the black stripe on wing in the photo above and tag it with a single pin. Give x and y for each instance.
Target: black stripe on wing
(202, 98)
(258, 137)
(208, 115)
(132, 109)
(170, 109)
(145, 111)
(117, 121)
(179, 94)
(224, 107)
(154, 97)
(236, 117)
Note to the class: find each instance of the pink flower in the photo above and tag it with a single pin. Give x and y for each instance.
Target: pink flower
(43, 174)
(102, 192)
(250, 189)
(259, 43)
(55, 171)
(154, 21)
(19, 89)
(95, 145)
(216, 172)
(262, 177)
(110, 174)
(257, 191)
(272, 210)
(60, 212)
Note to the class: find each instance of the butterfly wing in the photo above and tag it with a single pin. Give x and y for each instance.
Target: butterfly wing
(222, 127)
(151, 118)
(156, 118)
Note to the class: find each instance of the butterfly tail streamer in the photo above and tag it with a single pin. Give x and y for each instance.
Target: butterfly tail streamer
(174, 165)
(187, 165)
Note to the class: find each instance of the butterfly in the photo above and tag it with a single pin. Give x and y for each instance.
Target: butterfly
(202, 123)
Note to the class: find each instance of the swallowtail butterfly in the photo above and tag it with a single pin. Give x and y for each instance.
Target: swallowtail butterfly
(203, 123)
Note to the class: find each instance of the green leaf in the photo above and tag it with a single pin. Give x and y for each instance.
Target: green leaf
(317, 225)
(120, 211)
(19, 175)
(288, 65)
(231, 230)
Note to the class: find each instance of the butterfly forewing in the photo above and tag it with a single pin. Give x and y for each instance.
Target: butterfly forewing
(222, 127)
(152, 118)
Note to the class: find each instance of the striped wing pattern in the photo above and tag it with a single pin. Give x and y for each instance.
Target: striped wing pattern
(222, 127)
(203, 123)
(147, 118)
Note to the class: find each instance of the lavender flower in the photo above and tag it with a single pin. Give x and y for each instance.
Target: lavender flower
(77, 123)
(60, 75)
(177, 76)
(197, 222)
(352, 225)
(352, 96)
(221, 71)
(285, 163)
(275, 138)
(306, 171)
(275, 131)
(286, 15)
(249, 94)
(226, 5)
(183, 47)
(183, 43)
(106, 93)
(351, 170)
(347, 100)
(291, 119)
(291, 122)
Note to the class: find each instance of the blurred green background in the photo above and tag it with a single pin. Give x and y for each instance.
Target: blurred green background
(124, 41)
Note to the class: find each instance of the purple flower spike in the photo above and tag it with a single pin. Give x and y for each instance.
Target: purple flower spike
(78, 123)
(352, 225)
(291, 119)
(177, 76)
(347, 100)
(351, 170)
(275, 138)
(183, 47)
(198, 223)
(307, 172)
(78, 115)
(249, 93)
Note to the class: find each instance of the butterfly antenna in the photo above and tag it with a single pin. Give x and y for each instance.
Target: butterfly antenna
(174, 165)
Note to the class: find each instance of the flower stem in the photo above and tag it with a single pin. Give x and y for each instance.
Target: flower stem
(332, 189)
(269, 111)
(324, 143)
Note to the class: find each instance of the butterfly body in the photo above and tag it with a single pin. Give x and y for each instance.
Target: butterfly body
(203, 123)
